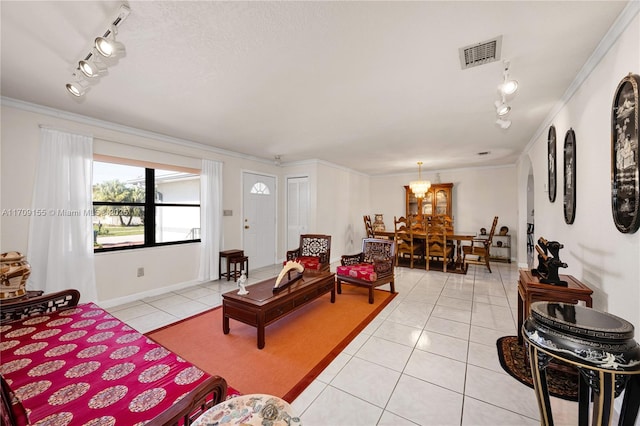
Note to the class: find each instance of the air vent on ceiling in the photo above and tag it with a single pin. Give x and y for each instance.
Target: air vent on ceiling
(480, 53)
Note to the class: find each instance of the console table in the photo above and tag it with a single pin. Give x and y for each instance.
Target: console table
(262, 306)
(530, 290)
(599, 344)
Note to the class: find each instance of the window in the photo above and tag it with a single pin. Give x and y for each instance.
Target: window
(260, 188)
(136, 206)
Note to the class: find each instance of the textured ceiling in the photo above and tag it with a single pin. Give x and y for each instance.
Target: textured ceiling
(373, 86)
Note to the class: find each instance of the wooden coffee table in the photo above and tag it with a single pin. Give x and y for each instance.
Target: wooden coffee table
(262, 306)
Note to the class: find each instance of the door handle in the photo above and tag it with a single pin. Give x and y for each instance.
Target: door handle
(246, 227)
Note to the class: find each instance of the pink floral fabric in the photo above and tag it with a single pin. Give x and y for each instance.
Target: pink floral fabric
(362, 271)
(83, 366)
(309, 262)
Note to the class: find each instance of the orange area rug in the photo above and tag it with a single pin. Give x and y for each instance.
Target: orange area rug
(297, 347)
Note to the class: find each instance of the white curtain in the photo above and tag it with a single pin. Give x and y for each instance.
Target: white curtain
(61, 232)
(210, 219)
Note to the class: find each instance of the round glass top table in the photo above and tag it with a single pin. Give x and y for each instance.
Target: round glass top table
(252, 409)
(599, 344)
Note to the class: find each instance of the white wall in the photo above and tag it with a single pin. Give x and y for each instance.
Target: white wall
(596, 252)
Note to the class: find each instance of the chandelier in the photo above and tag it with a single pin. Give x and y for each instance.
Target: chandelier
(419, 187)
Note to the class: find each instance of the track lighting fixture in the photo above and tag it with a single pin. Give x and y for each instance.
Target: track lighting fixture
(506, 88)
(104, 47)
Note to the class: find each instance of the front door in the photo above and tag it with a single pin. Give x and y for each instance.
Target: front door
(259, 219)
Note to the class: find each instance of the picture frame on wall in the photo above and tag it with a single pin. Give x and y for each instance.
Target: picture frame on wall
(570, 177)
(625, 185)
(551, 163)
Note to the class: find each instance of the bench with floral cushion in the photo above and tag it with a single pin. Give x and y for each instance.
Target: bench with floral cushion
(314, 252)
(70, 363)
(370, 268)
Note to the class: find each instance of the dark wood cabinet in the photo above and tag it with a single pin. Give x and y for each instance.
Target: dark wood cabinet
(437, 201)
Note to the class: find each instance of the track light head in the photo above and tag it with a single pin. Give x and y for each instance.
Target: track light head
(108, 48)
(509, 87)
(91, 68)
(502, 108)
(504, 124)
(76, 89)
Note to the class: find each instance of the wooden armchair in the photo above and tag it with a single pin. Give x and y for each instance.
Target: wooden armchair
(406, 244)
(314, 252)
(370, 268)
(437, 245)
(480, 247)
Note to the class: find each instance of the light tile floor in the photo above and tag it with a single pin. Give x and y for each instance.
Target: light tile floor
(429, 358)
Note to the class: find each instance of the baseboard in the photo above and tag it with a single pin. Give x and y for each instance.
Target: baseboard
(110, 303)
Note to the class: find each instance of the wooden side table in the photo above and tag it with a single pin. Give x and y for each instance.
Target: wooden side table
(599, 344)
(531, 290)
(227, 255)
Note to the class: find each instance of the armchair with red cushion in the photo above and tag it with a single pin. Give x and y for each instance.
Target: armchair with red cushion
(370, 268)
(314, 252)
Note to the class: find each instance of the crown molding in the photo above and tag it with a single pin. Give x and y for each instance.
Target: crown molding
(107, 125)
(618, 27)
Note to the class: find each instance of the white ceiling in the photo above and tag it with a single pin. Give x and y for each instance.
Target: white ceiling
(372, 86)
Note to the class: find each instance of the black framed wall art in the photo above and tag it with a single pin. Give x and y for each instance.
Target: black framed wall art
(624, 155)
(570, 176)
(551, 163)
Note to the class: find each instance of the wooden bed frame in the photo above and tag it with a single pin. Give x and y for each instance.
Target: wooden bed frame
(209, 393)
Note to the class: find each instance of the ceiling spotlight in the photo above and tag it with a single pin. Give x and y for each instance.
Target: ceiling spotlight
(91, 69)
(504, 124)
(509, 85)
(76, 89)
(502, 108)
(108, 47)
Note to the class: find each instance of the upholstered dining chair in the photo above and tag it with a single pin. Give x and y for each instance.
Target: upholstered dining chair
(436, 244)
(480, 248)
(406, 244)
(371, 268)
(314, 252)
(368, 226)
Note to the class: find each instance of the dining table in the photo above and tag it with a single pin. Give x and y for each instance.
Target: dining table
(456, 236)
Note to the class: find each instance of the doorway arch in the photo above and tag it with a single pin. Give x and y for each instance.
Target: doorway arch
(527, 211)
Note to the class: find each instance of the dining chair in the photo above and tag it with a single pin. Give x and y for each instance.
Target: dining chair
(368, 226)
(436, 244)
(480, 247)
(406, 244)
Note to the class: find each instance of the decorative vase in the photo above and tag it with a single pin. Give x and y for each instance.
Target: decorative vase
(14, 271)
(378, 223)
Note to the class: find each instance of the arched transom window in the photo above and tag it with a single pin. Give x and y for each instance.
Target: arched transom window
(260, 188)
